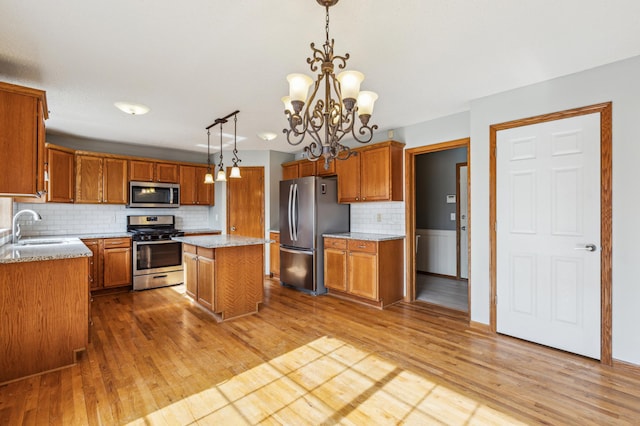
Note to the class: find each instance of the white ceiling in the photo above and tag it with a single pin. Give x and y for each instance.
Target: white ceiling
(197, 60)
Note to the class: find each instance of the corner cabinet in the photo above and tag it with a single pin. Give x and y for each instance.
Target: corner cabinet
(193, 190)
(374, 173)
(101, 180)
(22, 135)
(370, 272)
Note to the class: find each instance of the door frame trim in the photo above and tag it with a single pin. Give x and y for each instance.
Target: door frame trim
(458, 230)
(605, 111)
(410, 211)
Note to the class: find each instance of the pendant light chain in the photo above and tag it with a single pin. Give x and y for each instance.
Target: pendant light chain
(236, 160)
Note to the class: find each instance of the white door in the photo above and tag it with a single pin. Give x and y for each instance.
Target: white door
(463, 222)
(548, 221)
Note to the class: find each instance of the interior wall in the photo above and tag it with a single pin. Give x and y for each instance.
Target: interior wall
(435, 179)
(617, 82)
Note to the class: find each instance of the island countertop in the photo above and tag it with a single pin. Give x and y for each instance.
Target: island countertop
(220, 241)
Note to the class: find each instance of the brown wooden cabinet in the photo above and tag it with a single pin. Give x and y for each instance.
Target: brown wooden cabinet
(101, 180)
(274, 254)
(22, 136)
(366, 271)
(193, 190)
(110, 265)
(374, 174)
(60, 167)
(302, 168)
(151, 171)
(199, 267)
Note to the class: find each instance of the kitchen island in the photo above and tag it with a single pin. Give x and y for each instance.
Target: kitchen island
(44, 305)
(224, 273)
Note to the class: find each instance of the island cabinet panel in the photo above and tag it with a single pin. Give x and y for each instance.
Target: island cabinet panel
(239, 280)
(61, 184)
(206, 281)
(22, 140)
(45, 313)
(370, 272)
(199, 272)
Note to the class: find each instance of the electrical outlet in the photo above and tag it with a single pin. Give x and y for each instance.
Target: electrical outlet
(453, 216)
(379, 217)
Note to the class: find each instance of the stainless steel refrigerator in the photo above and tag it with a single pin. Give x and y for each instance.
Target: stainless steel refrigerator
(308, 208)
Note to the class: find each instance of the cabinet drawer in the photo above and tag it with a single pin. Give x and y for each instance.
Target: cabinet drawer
(188, 248)
(364, 246)
(117, 242)
(206, 252)
(337, 243)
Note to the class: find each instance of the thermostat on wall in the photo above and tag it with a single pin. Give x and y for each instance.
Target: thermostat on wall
(451, 199)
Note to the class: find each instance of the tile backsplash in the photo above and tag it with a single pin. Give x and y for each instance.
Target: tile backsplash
(378, 218)
(65, 219)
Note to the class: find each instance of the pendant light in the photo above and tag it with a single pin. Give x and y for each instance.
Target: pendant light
(221, 176)
(208, 178)
(235, 170)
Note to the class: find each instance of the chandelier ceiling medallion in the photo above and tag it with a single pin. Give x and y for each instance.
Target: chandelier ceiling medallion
(330, 118)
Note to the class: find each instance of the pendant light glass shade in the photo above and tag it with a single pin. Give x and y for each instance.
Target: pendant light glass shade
(235, 172)
(208, 178)
(221, 176)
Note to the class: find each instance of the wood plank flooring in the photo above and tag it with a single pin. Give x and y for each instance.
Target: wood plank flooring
(155, 358)
(447, 292)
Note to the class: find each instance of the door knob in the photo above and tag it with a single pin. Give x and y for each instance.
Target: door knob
(587, 247)
(233, 228)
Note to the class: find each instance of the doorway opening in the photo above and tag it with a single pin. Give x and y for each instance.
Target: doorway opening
(438, 221)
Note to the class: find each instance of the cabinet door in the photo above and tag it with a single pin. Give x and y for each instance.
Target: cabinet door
(375, 174)
(187, 185)
(115, 181)
(206, 285)
(88, 179)
(348, 179)
(274, 254)
(190, 261)
(330, 171)
(61, 176)
(204, 191)
(290, 171)
(141, 170)
(167, 173)
(307, 168)
(335, 269)
(363, 275)
(95, 263)
(117, 267)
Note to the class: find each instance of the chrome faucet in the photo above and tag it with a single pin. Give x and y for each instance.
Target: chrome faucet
(15, 229)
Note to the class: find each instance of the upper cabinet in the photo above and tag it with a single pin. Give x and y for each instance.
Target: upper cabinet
(22, 135)
(193, 190)
(374, 174)
(60, 166)
(302, 168)
(150, 171)
(101, 179)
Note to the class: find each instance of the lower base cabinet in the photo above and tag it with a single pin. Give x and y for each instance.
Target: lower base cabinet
(110, 265)
(199, 270)
(370, 272)
(274, 254)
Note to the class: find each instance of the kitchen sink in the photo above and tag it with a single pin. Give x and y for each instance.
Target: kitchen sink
(45, 241)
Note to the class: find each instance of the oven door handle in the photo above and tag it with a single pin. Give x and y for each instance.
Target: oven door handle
(144, 243)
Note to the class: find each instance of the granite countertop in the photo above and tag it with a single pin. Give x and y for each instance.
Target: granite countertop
(364, 236)
(220, 241)
(68, 249)
(200, 231)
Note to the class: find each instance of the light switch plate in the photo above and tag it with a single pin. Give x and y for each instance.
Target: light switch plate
(453, 216)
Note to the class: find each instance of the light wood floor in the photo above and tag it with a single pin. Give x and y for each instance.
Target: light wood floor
(157, 359)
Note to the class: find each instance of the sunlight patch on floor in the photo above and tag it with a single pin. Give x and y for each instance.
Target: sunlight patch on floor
(327, 382)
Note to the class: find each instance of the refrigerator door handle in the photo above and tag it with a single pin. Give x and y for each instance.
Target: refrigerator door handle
(289, 221)
(295, 212)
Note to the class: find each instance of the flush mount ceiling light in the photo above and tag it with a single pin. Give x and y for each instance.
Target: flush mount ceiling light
(131, 108)
(327, 120)
(221, 176)
(267, 136)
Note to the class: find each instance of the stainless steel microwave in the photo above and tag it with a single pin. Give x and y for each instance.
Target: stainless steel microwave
(154, 194)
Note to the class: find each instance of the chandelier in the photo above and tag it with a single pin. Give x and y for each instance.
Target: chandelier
(330, 118)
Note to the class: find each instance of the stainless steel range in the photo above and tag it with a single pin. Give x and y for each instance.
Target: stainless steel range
(157, 260)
